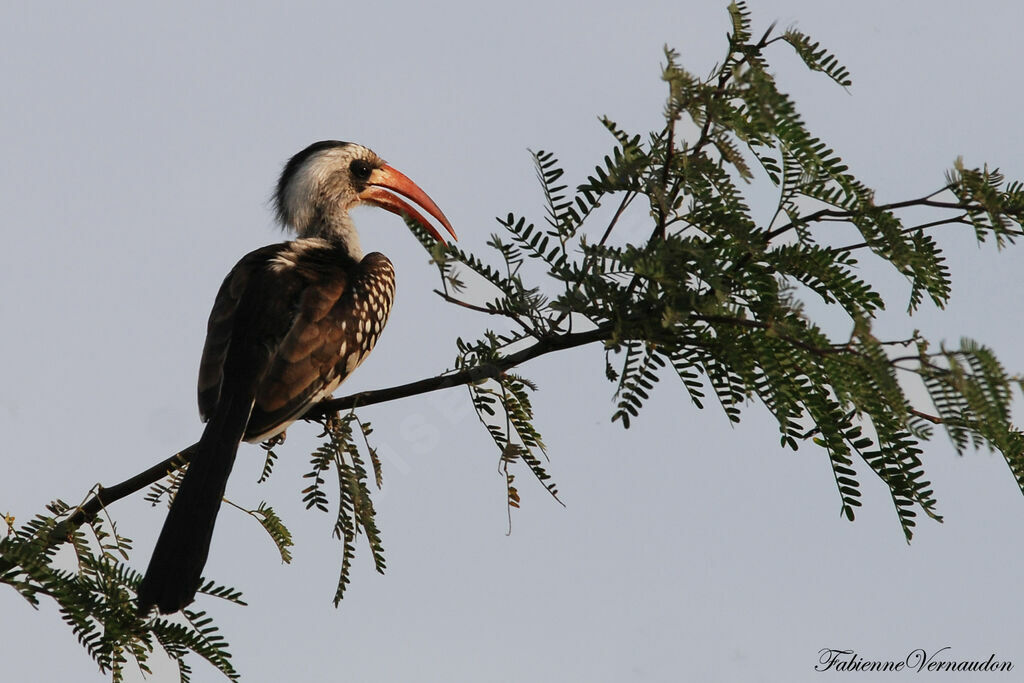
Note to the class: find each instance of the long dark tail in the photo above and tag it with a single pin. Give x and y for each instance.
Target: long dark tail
(175, 570)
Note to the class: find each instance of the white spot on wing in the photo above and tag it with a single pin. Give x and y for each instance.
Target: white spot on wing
(352, 362)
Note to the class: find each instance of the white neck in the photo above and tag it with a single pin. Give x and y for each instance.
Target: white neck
(338, 229)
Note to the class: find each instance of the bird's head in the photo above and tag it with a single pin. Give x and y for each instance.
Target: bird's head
(320, 184)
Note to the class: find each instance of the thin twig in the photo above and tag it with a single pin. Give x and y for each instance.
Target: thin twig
(833, 213)
(757, 324)
(915, 228)
(627, 199)
(925, 416)
(490, 311)
(667, 200)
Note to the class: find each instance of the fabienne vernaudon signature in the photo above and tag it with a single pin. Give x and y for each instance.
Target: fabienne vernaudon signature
(917, 660)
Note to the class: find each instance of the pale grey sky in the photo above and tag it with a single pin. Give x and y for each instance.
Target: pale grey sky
(140, 145)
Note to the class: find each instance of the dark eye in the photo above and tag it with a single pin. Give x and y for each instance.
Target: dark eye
(360, 169)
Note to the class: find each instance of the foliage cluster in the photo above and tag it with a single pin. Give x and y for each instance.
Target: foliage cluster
(717, 296)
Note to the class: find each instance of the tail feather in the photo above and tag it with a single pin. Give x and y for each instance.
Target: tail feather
(175, 570)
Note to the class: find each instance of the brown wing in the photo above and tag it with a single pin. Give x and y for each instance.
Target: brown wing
(340, 314)
(245, 281)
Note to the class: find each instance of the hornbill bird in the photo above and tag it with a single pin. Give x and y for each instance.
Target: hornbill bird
(289, 324)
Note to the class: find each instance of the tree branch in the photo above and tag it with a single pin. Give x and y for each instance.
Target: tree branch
(477, 373)
(106, 495)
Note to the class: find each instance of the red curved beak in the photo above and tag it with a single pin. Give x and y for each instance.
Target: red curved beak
(386, 178)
